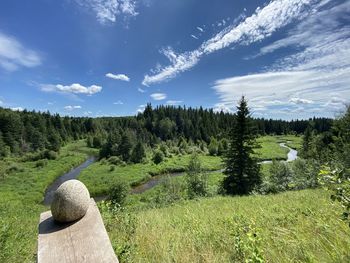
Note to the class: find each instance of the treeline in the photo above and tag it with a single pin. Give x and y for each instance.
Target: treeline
(26, 131)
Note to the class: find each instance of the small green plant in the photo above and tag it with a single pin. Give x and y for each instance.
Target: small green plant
(118, 193)
(338, 182)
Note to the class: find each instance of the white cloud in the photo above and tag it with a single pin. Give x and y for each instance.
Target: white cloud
(17, 109)
(122, 77)
(221, 107)
(260, 25)
(314, 80)
(200, 29)
(174, 102)
(13, 55)
(1, 102)
(270, 90)
(119, 102)
(158, 96)
(71, 108)
(193, 36)
(300, 101)
(141, 90)
(141, 108)
(107, 11)
(75, 88)
(87, 113)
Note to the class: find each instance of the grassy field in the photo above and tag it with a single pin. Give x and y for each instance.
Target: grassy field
(99, 176)
(300, 226)
(21, 193)
(23, 184)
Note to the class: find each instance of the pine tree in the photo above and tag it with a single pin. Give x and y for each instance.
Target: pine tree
(242, 169)
(307, 142)
(124, 148)
(138, 153)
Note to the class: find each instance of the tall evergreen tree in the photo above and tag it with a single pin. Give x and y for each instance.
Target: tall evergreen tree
(138, 153)
(242, 169)
(124, 148)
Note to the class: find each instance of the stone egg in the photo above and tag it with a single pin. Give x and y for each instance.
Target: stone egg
(70, 201)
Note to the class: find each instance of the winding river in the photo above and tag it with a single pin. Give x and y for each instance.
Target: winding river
(155, 180)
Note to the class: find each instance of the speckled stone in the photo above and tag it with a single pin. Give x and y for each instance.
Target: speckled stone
(70, 202)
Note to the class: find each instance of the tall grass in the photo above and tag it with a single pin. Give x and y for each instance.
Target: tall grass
(300, 226)
(21, 195)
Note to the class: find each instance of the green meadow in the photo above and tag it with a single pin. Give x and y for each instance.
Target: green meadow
(296, 226)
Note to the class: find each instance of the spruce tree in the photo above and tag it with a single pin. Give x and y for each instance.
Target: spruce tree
(124, 148)
(138, 153)
(242, 172)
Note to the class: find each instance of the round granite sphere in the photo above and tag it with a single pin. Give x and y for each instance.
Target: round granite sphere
(70, 201)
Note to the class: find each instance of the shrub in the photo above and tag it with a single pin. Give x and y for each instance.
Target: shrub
(118, 193)
(114, 160)
(158, 157)
(213, 147)
(196, 180)
(50, 155)
(112, 168)
(14, 168)
(169, 192)
(41, 163)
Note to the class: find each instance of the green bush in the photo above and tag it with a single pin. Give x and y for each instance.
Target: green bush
(158, 157)
(50, 155)
(118, 193)
(169, 192)
(41, 163)
(14, 168)
(196, 180)
(114, 160)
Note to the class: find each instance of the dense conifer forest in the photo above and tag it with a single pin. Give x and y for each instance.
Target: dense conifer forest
(30, 131)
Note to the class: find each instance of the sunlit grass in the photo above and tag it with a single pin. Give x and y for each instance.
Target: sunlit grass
(299, 226)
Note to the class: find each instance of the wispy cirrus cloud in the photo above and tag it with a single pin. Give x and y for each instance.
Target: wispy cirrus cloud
(258, 26)
(141, 90)
(13, 55)
(74, 88)
(119, 102)
(158, 96)
(311, 79)
(107, 11)
(122, 77)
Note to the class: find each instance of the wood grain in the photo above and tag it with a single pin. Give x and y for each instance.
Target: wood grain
(85, 240)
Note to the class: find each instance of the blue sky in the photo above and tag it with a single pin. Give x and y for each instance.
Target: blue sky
(290, 58)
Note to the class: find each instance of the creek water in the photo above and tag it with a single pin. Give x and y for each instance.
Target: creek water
(154, 181)
(72, 174)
